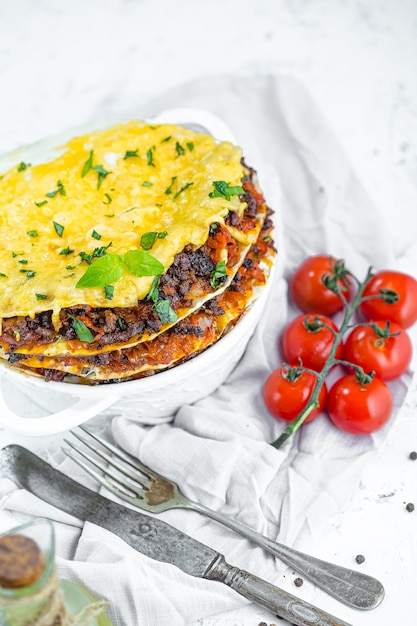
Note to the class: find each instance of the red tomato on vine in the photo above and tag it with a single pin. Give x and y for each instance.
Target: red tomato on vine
(309, 285)
(288, 390)
(359, 405)
(309, 338)
(382, 347)
(397, 301)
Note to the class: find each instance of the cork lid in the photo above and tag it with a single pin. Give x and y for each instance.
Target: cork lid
(21, 561)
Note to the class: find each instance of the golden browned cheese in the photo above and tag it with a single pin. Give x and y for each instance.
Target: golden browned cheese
(108, 189)
(21, 562)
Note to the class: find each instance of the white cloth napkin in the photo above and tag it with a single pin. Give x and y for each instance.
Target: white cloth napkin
(218, 450)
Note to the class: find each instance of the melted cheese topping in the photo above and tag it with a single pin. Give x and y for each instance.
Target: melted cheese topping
(163, 186)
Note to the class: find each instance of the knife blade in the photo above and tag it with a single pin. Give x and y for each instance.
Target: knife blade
(152, 537)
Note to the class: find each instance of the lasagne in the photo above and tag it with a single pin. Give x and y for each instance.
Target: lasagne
(129, 251)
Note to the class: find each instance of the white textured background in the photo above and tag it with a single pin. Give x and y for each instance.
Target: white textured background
(62, 63)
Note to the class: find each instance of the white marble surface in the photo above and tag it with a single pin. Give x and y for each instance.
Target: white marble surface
(63, 63)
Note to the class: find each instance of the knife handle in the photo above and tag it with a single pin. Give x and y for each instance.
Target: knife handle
(280, 602)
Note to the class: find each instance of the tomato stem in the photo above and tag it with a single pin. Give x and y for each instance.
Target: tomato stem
(349, 310)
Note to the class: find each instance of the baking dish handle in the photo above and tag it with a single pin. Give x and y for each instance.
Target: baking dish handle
(82, 410)
(198, 119)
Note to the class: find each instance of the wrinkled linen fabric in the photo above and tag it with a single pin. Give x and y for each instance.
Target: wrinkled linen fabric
(218, 450)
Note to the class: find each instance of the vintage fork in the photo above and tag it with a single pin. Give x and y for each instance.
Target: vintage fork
(140, 486)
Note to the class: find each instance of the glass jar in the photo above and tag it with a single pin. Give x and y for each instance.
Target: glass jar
(30, 589)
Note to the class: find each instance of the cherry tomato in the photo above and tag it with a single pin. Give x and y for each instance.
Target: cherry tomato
(357, 407)
(287, 391)
(308, 338)
(385, 348)
(404, 311)
(308, 290)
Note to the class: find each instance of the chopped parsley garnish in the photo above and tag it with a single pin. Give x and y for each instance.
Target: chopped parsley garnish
(15, 254)
(96, 253)
(154, 291)
(180, 150)
(102, 173)
(23, 261)
(87, 165)
(266, 238)
(32, 233)
(59, 189)
(95, 235)
(109, 291)
(190, 146)
(149, 156)
(22, 166)
(30, 274)
(166, 139)
(70, 267)
(23, 271)
(41, 296)
(183, 188)
(83, 333)
(148, 239)
(121, 323)
(109, 215)
(168, 190)
(108, 198)
(218, 275)
(59, 229)
(41, 203)
(130, 153)
(66, 251)
(3, 275)
(222, 189)
(165, 312)
(132, 208)
(147, 183)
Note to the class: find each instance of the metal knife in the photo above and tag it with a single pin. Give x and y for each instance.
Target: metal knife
(152, 537)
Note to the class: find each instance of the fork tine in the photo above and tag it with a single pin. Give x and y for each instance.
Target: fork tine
(128, 458)
(103, 481)
(112, 462)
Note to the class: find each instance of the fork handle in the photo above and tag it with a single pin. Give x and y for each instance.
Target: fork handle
(349, 586)
(277, 600)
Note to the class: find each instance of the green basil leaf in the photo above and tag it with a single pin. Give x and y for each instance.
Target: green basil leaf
(106, 270)
(141, 263)
(83, 333)
(165, 312)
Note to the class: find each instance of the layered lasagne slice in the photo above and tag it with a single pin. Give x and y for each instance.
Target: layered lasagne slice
(115, 241)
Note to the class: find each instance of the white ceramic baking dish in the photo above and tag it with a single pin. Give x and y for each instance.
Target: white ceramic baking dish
(157, 397)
